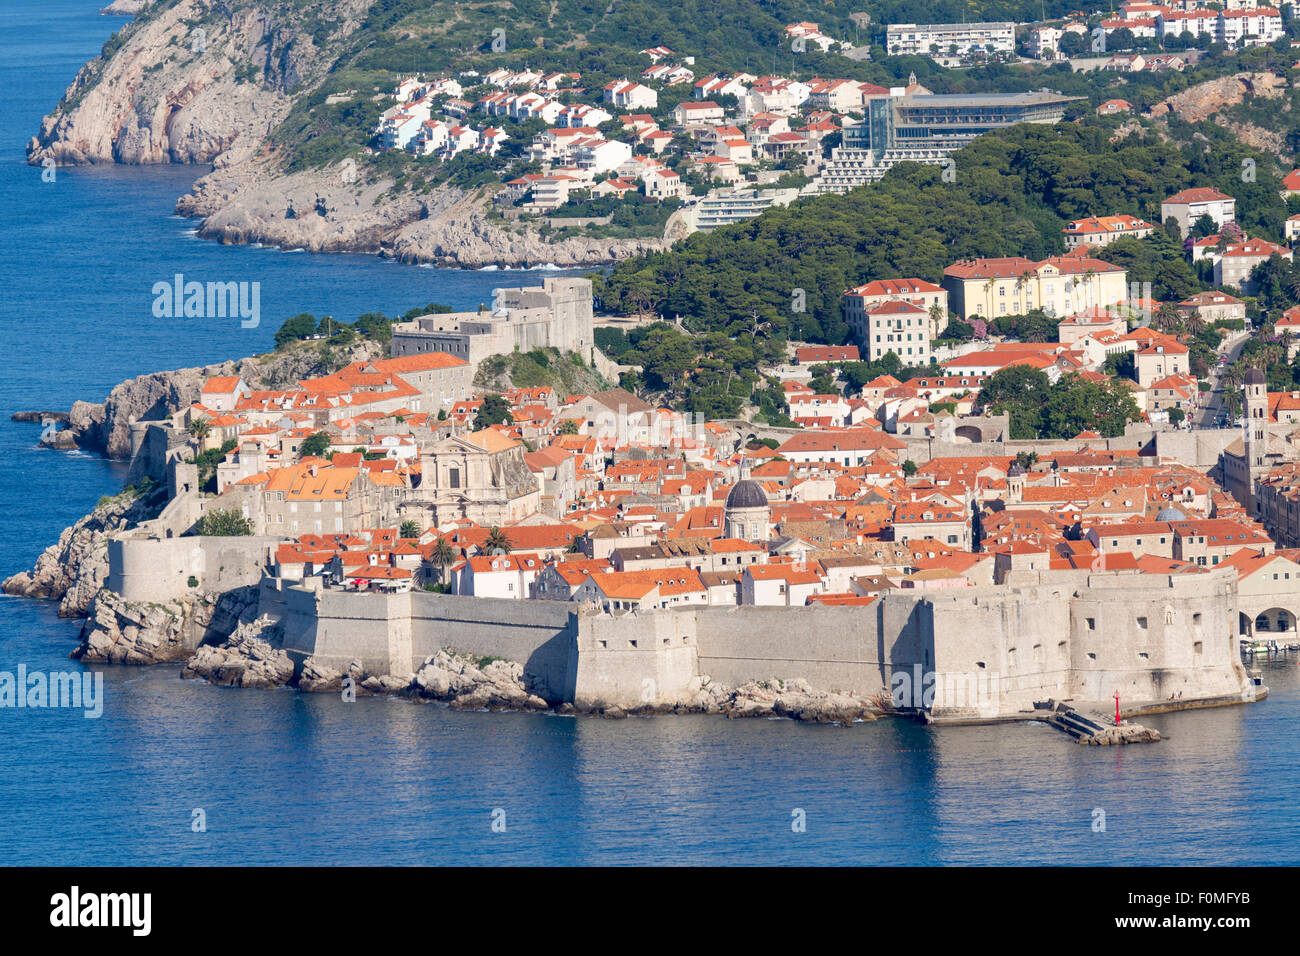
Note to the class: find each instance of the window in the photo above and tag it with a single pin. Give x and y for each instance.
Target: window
(1092, 624)
(1142, 623)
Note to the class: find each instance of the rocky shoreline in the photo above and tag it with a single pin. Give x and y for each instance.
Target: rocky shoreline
(323, 211)
(73, 570)
(251, 657)
(162, 96)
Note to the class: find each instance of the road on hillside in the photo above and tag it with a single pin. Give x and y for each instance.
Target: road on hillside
(1231, 347)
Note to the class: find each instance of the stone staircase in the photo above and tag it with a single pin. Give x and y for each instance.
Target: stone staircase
(1087, 729)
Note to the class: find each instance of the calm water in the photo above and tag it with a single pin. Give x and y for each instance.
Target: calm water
(284, 777)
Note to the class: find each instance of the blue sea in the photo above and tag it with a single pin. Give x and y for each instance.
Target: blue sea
(282, 777)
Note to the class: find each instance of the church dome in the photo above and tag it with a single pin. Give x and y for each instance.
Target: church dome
(747, 494)
(1254, 377)
(1170, 513)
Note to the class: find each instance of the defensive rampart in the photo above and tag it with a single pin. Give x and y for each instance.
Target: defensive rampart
(970, 654)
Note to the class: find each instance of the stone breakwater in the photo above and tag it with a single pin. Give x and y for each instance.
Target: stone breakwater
(1124, 734)
(250, 657)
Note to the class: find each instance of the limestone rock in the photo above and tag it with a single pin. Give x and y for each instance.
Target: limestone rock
(464, 684)
(173, 88)
(123, 8)
(250, 657)
(1124, 734)
(119, 632)
(794, 699)
(61, 440)
(319, 678)
(334, 212)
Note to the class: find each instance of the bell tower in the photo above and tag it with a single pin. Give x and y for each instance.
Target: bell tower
(1255, 405)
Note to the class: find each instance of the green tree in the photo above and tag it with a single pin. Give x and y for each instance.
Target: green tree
(409, 529)
(314, 445)
(301, 326)
(495, 410)
(441, 555)
(374, 325)
(224, 523)
(1077, 405)
(569, 427)
(497, 541)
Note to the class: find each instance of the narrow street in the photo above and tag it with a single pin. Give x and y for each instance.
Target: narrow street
(1209, 413)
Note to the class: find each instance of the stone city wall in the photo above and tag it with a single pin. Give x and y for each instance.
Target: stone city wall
(970, 654)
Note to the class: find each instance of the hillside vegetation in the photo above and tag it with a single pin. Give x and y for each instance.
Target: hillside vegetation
(1014, 191)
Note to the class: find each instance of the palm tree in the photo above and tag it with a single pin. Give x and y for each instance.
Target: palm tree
(1167, 317)
(496, 542)
(441, 555)
(936, 319)
(1195, 322)
(200, 430)
(1293, 284)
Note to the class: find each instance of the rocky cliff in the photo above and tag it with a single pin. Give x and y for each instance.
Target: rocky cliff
(123, 8)
(73, 570)
(1215, 99)
(191, 81)
(253, 657)
(118, 631)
